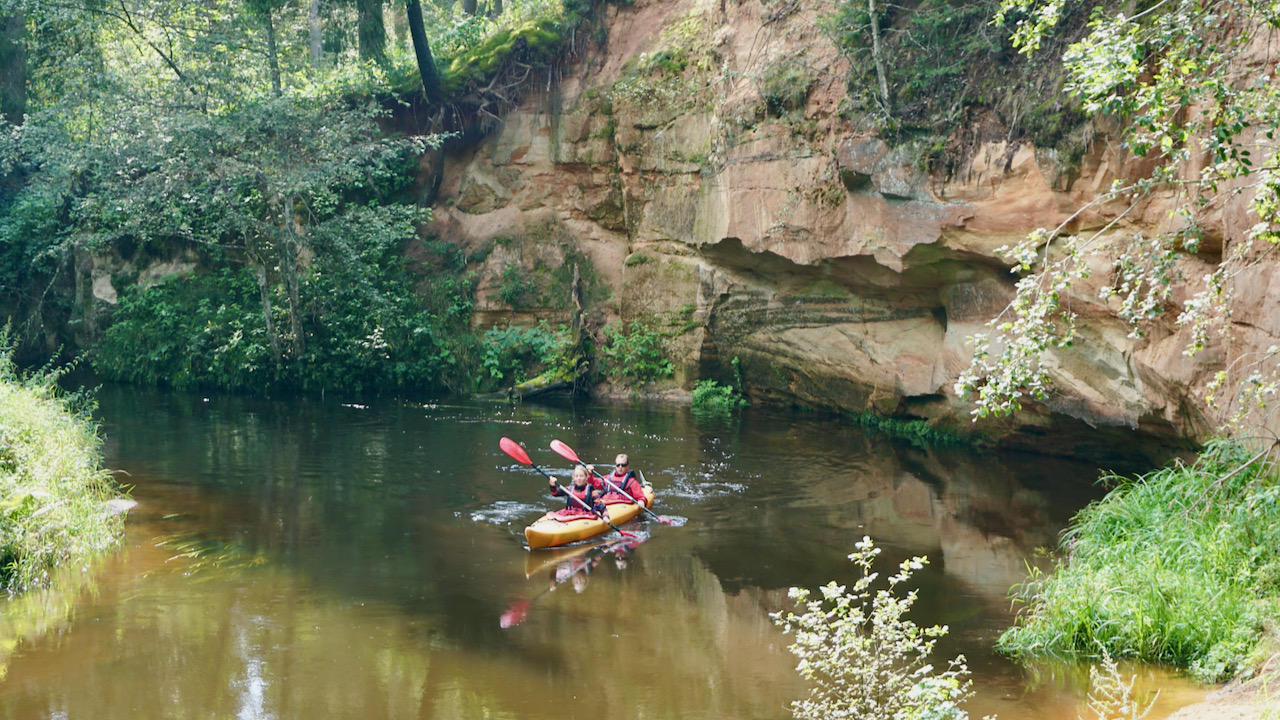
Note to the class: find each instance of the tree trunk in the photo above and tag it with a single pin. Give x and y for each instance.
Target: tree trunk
(400, 29)
(315, 32)
(13, 68)
(372, 32)
(264, 292)
(875, 55)
(469, 7)
(496, 10)
(289, 273)
(273, 61)
(422, 50)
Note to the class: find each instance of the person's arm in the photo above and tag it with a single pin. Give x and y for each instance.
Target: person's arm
(635, 489)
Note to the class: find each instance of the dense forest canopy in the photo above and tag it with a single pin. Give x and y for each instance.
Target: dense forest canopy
(256, 137)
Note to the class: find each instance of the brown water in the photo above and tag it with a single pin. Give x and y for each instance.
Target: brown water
(299, 559)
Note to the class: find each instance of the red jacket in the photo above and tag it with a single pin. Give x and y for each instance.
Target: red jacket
(587, 494)
(628, 483)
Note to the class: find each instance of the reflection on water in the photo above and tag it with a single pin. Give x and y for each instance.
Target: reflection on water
(296, 559)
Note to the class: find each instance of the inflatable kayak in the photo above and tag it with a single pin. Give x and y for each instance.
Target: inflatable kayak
(565, 526)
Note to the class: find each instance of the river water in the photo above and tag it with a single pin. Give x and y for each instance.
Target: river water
(305, 559)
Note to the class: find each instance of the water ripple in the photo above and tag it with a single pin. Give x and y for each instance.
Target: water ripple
(505, 512)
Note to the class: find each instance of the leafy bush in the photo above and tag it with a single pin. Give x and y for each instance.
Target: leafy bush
(193, 330)
(634, 355)
(366, 328)
(864, 657)
(515, 289)
(52, 484)
(516, 354)
(711, 396)
(785, 86)
(1174, 567)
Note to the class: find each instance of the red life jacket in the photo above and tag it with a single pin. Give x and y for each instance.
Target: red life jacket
(632, 490)
(587, 494)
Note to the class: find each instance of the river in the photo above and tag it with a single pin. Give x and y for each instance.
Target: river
(306, 559)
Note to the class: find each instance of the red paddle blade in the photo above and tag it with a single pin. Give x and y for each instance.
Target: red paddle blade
(564, 451)
(515, 614)
(510, 447)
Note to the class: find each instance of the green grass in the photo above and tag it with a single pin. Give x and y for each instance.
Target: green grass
(52, 483)
(1180, 566)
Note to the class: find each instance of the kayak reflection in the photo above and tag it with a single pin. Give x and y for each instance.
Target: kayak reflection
(573, 566)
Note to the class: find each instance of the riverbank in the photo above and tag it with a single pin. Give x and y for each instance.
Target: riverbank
(1177, 567)
(1254, 700)
(53, 488)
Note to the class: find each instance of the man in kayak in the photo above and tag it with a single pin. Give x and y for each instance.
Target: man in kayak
(623, 478)
(582, 490)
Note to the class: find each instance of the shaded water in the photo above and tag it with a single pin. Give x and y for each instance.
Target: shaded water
(296, 559)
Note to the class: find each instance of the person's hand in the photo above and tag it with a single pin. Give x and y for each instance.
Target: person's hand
(591, 468)
(551, 482)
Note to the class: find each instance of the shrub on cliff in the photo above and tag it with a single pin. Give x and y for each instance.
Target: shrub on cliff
(634, 355)
(53, 488)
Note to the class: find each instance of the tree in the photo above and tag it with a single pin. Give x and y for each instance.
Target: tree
(1179, 78)
(371, 30)
(13, 67)
(422, 51)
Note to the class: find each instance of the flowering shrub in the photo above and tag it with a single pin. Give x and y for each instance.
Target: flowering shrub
(864, 658)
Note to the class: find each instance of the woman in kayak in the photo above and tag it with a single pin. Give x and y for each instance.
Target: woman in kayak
(581, 489)
(623, 478)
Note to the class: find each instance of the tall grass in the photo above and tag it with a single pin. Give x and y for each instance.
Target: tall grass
(53, 488)
(1181, 566)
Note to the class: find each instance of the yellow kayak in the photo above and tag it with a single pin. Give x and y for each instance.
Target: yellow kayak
(558, 528)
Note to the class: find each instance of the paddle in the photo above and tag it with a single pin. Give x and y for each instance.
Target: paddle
(513, 449)
(567, 453)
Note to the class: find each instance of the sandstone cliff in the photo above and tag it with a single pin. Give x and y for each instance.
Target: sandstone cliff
(697, 157)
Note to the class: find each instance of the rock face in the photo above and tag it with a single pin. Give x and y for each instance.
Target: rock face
(697, 162)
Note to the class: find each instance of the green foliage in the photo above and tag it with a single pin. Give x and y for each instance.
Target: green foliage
(943, 56)
(515, 289)
(710, 396)
(536, 39)
(634, 355)
(917, 432)
(1148, 70)
(785, 86)
(1175, 567)
(512, 355)
(189, 331)
(863, 655)
(367, 329)
(52, 484)
(673, 77)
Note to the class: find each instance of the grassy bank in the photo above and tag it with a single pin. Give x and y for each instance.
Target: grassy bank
(52, 484)
(1180, 566)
